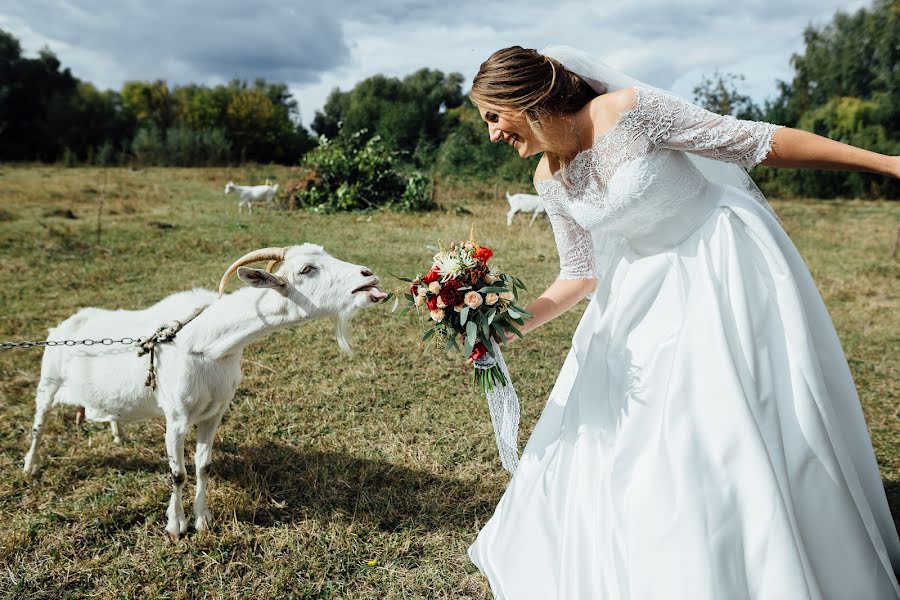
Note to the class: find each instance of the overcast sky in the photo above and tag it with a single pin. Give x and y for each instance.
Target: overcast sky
(316, 45)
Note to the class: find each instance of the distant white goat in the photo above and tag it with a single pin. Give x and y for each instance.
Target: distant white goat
(198, 372)
(248, 194)
(524, 203)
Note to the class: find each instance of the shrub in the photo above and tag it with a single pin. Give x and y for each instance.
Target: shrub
(349, 174)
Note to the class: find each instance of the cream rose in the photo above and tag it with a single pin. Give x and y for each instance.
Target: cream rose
(434, 287)
(507, 295)
(440, 303)
(458, 307)
(490, 279)
(420, 300)
(491, 299)
(473, 299)
(422, 291)
(437, 315)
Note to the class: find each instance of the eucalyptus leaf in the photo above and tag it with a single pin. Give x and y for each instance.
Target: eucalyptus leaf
(471, 336)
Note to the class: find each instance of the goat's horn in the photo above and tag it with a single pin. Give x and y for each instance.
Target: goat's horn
(271, 265)
(276, 254)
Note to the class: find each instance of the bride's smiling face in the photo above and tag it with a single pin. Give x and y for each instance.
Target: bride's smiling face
(512, 128)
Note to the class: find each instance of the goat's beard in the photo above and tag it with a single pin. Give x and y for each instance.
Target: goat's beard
(341, 331)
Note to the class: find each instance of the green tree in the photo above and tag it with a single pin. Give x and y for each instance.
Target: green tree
(846, 86)
(468, 151)
(720, 94)
(408, 114)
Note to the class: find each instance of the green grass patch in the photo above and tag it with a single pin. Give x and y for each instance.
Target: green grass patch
(332, 477)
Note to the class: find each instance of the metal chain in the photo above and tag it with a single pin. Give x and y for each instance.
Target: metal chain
(51, 343)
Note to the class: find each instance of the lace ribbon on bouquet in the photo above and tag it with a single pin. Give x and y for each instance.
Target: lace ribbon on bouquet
(503, 404)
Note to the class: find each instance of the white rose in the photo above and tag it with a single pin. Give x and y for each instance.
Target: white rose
(437, 315)
(473, 299)
(422, 291)
(491, 298)
(434, 287)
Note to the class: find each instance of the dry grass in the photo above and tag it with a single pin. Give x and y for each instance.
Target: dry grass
(323, 465)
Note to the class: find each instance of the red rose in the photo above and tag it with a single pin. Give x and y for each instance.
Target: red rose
(450, 293)
(482, 253)
(432, 275)
(478, 350)
(413, 290)
(431, 303)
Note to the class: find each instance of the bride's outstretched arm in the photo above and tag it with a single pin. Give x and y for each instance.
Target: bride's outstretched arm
(562, 295)
(796, 148)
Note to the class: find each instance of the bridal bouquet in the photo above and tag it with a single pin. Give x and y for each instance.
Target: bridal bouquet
(467, 297)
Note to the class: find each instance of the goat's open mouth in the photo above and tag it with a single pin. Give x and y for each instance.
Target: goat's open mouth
(375, 294)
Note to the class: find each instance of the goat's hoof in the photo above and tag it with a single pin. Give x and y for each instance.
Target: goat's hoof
(31, 467)
(203, 522)
(176, 528)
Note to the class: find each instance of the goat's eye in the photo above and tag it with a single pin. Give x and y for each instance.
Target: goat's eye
(306, 270)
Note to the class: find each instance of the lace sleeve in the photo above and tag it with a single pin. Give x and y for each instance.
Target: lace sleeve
(573, 242)
(674, 123)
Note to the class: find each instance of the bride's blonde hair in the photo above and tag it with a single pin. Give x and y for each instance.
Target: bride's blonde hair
(522, 79)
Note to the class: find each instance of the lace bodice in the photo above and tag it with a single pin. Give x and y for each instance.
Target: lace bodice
(636, 174)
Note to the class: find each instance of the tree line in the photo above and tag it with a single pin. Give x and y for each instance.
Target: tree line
(846, 86)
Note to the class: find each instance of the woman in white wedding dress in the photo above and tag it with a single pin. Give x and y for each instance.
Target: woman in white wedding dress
(704, 439)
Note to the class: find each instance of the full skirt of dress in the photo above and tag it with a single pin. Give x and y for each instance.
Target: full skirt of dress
(704, 439)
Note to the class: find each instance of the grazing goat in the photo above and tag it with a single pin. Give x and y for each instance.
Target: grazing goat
(524, 203)
(248, 194)
(199, 371)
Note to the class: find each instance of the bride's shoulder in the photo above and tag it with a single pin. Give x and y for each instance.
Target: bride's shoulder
(606, 109)
(543, 171)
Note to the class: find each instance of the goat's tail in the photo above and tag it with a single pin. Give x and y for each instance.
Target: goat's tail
(508, 197)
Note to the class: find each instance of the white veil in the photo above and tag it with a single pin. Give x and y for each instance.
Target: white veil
(602, 78)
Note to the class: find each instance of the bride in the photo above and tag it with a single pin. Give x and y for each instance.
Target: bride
(704, 439)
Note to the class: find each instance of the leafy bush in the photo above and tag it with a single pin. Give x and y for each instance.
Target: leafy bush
(180, 147)
(189, 147)
(105, 155)
(148, 146)
(349, 174)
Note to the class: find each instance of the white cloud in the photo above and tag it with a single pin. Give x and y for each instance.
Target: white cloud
(314, 46)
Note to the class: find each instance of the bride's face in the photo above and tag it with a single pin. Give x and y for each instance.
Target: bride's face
(510, 127)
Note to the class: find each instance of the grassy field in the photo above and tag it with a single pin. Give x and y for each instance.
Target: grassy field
(331, 477)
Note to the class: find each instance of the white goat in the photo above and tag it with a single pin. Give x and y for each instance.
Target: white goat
(248, 194)
(524, 203)
(199, 371)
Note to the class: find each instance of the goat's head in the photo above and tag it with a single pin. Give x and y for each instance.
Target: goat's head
(229, 187)
(314, 280)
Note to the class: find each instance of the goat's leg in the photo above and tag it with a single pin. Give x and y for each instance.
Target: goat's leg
(43, 401)
(117, 431)
(176, 428)
(509, 217)
(206, 434)
(533, 217)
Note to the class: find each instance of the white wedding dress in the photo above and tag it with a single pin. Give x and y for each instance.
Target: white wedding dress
(704, 439)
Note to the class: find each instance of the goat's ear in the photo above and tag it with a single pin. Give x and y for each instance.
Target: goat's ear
(259, 278)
